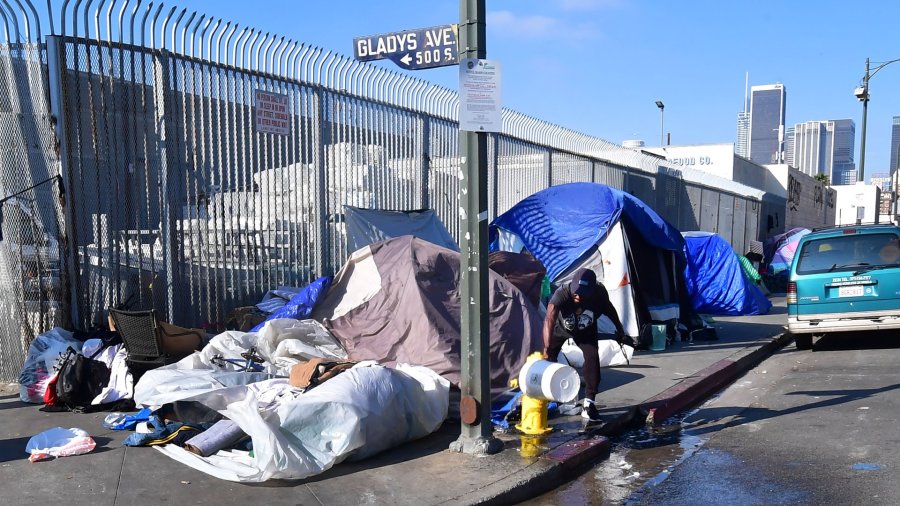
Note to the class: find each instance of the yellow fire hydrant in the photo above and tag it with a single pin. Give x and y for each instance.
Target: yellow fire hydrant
(534, 409)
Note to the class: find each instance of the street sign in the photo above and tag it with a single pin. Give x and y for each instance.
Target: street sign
(423, 48)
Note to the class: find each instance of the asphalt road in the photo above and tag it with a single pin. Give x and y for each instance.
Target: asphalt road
(803, 427)
(821, 428)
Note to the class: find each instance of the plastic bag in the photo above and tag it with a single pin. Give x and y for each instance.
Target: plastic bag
(354, 415)
(43, 354)
(59, 442)
(609, 351)
(613, 354)
(125, 421)
(284, 342)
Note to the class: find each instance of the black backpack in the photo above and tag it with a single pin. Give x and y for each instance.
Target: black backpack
(80, 380)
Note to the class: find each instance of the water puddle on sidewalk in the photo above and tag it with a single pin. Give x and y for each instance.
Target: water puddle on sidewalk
(639, 459)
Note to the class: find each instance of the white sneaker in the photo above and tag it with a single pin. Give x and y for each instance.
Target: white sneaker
(589, 411)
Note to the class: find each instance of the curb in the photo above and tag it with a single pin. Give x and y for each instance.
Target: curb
(567, 461)
(699, 386)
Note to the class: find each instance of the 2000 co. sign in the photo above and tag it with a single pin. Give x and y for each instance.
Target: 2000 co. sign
(691, 160)
(411, 49)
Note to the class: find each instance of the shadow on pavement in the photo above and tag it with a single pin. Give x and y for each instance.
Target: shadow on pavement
(14, 404)
(884, 339)
(13, 449)
(718, 418)
(434, 443)
(103, 444)
(613, 378)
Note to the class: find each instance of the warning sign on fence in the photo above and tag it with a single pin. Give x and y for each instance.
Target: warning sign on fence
(273, 113)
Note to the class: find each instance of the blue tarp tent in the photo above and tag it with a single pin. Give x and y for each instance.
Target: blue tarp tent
(560, 224)
(715, 280)
(636, 254)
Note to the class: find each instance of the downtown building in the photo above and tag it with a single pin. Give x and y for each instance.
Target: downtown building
(766, 129)
(792, 199)
(742, 145)
(825, 147)
(789, 146)
(895, 146)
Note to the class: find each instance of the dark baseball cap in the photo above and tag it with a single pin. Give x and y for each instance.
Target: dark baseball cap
(583, 282)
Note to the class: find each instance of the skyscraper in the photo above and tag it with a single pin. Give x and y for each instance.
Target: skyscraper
(843, 170)
(789, 146)
(894, 163)
(741, 147)
(767, 103)
(826, 147)
(742, 144)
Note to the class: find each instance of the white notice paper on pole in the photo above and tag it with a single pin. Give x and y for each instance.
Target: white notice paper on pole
(479, 95)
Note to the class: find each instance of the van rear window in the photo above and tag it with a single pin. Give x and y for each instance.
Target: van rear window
(849, 251)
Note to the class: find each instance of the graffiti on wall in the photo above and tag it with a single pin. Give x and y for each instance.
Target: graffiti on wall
(818, 200)
(794, 190)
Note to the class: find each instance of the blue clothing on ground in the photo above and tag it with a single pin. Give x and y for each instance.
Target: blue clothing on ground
(301, 305)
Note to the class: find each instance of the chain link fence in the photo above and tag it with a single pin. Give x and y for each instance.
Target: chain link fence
(32, 278)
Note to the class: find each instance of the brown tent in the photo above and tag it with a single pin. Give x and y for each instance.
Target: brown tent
(520, 269)
(397, 301)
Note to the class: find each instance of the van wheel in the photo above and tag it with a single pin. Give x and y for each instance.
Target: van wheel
(803, 341)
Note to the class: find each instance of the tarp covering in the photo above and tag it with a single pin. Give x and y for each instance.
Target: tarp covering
(560, 224)
(780, 249)
(367, 226)
(297, 434)
(635, 253)
(397, 301)
(301, 305)
(520, 269)
(715, 279)
(354, 415)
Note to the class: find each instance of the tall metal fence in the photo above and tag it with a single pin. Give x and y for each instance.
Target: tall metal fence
(31, 277)
(205, 163)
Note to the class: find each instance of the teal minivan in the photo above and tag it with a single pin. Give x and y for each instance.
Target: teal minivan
(844, 279)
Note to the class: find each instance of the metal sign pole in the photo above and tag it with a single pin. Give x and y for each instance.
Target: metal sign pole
(476, 435)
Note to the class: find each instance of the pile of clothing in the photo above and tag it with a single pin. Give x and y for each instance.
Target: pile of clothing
(302, 411)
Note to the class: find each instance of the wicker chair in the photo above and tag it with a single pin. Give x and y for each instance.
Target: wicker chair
(142, 335)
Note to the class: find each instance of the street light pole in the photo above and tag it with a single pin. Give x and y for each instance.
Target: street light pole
(862, 94)
(662, 128)
(862, 136)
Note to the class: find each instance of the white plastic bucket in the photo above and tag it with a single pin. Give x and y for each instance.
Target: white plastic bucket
(550, 381)
(659, 337)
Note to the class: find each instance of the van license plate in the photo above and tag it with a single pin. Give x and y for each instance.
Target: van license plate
(850, 291)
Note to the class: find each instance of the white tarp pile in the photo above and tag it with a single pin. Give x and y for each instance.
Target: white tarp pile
(281, 343)
(296, 434)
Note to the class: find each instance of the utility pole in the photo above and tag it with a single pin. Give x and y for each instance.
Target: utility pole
(476, 432)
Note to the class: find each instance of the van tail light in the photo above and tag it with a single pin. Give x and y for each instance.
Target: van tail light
(792, 293)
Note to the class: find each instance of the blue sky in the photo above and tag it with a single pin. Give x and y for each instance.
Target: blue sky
(598, 66)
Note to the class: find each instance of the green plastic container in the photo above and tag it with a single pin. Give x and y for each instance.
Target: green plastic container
(659, 337)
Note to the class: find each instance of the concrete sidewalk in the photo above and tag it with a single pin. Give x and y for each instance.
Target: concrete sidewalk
(423, 472)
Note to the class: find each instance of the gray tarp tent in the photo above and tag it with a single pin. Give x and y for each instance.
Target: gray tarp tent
(397, 301)
(366, 226)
